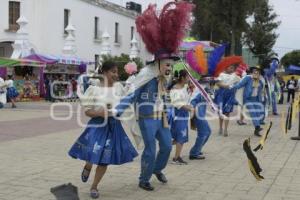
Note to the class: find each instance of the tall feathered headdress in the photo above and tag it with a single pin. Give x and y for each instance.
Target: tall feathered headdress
(163, 34)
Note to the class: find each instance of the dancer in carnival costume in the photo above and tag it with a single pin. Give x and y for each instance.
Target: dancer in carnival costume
(202, 125)
(241, 71)
(273, 84)
(12, 92)
(224, 97)
(162, 36)
(264, 98)
(275, 93)
(104, 141)
(180, 99)
(253, 87)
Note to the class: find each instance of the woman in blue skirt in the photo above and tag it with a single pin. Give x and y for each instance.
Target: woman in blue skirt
(224, 97)
(179, 123)
(104, 141)
(12, 92)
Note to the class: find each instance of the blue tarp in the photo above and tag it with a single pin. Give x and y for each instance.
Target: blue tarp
(293, 69)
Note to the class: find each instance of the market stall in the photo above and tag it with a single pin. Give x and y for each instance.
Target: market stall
(27, 76)
(64, 69)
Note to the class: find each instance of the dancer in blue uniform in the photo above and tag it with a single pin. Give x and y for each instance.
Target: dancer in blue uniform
(179, 123)
(104, 141)
(149, 99)
(203, 128)
(275, 92)
(162, 36)
(263, 98)
(253, 87)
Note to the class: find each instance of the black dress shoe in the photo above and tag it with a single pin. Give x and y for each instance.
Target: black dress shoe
(161, 177)
(199, 157)
(146, 186)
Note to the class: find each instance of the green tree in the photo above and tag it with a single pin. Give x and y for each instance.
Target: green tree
(222, 21)
(260, 36)
(121, 61)
(291, 58)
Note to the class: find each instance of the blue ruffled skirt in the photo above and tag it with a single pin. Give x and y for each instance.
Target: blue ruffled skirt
(104, 143)
(225, 99)
(179, 125)
(12, 93)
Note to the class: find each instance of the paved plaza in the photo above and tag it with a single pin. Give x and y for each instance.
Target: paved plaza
(33, 158)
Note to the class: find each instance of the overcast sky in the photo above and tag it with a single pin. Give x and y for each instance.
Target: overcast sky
(289, 15)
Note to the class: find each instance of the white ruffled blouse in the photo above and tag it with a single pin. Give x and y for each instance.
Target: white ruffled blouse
(179, 97)
(97, 97)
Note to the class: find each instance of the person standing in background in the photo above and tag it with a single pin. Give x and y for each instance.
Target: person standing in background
(291, 86)
(2, 93)
(12, 92)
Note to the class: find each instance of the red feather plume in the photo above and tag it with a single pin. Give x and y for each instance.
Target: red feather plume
(148, 27)
(175, 19)
(167, 30)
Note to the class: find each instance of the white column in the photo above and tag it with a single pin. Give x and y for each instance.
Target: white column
(69, 48)
(22, 46)
(134, 50)
(106, 49)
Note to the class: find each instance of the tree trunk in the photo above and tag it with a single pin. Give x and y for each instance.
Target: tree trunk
(232, 46)
(233, 22)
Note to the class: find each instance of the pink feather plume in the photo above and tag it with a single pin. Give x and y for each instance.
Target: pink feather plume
(191, 60)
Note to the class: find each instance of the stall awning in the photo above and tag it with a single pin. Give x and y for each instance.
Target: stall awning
(9, 62)
(189, 43)
(293, 69)
(52, 59)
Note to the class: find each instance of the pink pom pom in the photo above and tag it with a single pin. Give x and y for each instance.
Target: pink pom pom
(130, 68)
(241, 69)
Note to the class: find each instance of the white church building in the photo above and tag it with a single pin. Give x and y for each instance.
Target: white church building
(99, 27)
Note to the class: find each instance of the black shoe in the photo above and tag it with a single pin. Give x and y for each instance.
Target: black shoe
(256, 132)
(146, 186)
(275, 114)
(181, 161)
(199, 157)
(161, 177)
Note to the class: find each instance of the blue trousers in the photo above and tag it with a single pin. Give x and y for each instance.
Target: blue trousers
(274, 102)
(151, 130)
(264, 103)
(255, 108)
(203, 133)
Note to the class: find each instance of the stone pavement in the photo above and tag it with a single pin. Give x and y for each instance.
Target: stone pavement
(33, 158)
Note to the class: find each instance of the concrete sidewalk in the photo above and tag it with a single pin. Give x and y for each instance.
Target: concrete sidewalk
(33, 163)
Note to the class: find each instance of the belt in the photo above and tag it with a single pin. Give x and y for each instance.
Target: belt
(160, 115)
(155, 115)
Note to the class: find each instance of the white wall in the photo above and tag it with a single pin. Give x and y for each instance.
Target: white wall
(46, 21)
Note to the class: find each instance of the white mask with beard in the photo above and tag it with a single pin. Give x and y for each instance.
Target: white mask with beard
(167, 73)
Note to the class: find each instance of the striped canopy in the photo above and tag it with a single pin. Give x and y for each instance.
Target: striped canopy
(52, 59)
(9, 62)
